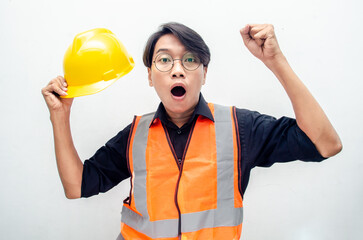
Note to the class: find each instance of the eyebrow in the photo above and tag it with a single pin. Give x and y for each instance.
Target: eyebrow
(162, 50)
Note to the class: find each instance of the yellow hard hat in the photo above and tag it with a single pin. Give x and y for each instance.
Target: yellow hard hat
(94, 61)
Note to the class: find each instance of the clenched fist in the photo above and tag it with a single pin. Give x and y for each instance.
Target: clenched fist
(261, 41)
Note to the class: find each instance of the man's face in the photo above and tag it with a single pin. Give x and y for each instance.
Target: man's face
(178, 89)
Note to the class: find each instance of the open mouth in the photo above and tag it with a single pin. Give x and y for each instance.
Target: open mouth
(178, 91)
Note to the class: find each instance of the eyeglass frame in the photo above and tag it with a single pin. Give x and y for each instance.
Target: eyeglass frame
(172, 65)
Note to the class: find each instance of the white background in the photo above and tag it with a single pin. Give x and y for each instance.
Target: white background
(296, 201)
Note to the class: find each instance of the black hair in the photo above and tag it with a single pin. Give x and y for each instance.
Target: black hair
(191, 40)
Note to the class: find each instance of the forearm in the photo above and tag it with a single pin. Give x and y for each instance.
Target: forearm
(70, 167)
(309, 115)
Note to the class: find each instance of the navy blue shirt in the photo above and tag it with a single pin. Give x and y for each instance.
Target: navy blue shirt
(265, 140)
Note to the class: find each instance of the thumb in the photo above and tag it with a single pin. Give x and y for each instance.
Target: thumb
(245, 33)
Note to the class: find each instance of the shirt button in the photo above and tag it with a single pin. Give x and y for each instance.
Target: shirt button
(179, 131)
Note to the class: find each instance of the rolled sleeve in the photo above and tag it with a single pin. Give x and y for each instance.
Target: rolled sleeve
(301, 147)
(107, 167)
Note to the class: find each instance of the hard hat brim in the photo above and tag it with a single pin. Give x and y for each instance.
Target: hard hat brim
(78, 91)
(84, 90)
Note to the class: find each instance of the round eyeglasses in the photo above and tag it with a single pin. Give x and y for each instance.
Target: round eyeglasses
(164, 62)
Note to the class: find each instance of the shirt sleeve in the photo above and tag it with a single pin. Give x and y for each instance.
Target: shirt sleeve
(107, 167)
(266, 140)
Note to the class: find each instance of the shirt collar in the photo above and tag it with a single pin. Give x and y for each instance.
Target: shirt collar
(200, 109)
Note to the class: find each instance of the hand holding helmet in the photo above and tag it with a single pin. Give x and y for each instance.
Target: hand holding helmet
(55, 88)
(94, 61)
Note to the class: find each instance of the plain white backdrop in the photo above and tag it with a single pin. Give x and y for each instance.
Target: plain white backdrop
(296, 201)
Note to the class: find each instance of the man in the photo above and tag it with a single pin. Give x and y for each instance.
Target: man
(190, 161)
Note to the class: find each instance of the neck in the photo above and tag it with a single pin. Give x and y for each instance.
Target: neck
(179, 119)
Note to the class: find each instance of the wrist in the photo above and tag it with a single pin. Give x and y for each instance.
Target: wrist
(276, 62)
(59, 116)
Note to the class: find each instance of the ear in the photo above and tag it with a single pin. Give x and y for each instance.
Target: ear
(149, 77)
(205, 69)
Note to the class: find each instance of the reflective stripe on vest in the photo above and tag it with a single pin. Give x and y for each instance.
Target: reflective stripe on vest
(120, 237)
(224, 215)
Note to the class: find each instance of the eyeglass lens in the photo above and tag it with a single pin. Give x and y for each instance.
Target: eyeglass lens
(164, 62)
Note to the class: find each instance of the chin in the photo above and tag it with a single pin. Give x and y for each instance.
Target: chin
(179, 107)
(176, 109)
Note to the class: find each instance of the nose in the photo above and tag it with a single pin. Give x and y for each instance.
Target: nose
(177, 70)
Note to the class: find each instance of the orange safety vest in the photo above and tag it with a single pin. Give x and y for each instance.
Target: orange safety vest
(198, 198)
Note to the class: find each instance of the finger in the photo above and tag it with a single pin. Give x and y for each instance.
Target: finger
(265, 33)
(261, 37)
(62, 83)
(245, 33)
(59, 91)
(261, 33)
(252, 30)
(52, 88)
(259, 41)
(48, 90)
(50, 99)
(258, 27)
